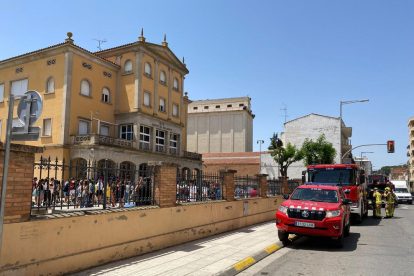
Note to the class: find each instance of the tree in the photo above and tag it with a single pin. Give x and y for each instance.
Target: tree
(319, 152)
(284, 156)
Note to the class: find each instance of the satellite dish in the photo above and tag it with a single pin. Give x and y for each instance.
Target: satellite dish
(31, 105)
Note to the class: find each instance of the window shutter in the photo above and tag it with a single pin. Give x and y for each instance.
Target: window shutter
(146, 99)
(128, 66)
(1, 92)
(175, 83)
(19, 87)
(47, 127)
(105, 130)
(147, 69)
(83, 127)
(175, 110)
(51, 85)
(162, 76)
(105, 94)
(85, 88)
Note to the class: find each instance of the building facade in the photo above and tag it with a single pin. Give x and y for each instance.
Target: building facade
(312, 126)
(124, 104)
(365, 163)
(410, 153)
(220, 126)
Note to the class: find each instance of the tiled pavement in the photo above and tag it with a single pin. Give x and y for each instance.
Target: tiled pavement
(197, 258)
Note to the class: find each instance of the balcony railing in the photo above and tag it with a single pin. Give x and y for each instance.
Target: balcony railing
(173, 151)
(144, 146)
(160, 148)
(192, 155)
(346, 142)
(96, 139)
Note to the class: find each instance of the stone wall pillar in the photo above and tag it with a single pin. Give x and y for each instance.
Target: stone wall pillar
(165, 183)
(228, 184)
(262, 184)
(285, 189)
(19, 181)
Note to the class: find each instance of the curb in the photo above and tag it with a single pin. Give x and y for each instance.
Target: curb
(249, 261)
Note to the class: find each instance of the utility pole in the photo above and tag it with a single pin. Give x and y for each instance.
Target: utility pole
(260, 142)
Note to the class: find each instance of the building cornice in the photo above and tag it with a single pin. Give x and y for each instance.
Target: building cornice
(221, 112)
(145, 47)
(56, 50)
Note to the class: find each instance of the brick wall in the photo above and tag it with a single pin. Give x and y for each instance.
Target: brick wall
(19, 182)
(242, 169)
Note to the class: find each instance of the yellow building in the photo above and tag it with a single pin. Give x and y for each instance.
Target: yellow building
(124, 104)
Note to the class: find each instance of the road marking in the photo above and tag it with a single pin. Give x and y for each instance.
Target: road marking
(244, 263)
(271, 248)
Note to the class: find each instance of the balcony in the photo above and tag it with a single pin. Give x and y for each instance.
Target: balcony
(346, 145)
(96, 139)
(347, 131)
(192, 155)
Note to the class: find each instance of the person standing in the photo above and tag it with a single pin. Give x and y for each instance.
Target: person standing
(378, 203)
(389, 202)
(34, 190)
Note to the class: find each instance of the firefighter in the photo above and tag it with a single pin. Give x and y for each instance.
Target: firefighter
(389, 202)
(378, 203)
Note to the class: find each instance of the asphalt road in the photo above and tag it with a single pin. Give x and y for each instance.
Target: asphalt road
(376, 247)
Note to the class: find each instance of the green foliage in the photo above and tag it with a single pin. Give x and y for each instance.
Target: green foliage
(284, 156)
(319, 152)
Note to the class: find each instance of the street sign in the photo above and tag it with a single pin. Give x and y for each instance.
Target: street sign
(29, 110)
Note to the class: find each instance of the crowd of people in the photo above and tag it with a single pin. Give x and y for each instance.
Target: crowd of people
(191, 191)
(83, 193)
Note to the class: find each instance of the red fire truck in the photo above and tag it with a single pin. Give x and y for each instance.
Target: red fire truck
(348, 176)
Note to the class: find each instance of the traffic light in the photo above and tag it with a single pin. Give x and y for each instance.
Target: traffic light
(390, 146)
(279, 143)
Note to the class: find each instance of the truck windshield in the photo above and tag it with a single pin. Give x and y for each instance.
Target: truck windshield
(381, 187)
(335, 176)
(401, 191)
(319, 195)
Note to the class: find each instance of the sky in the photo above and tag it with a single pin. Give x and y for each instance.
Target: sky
(308, 55)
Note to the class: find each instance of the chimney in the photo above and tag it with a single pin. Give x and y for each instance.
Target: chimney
(69, 39)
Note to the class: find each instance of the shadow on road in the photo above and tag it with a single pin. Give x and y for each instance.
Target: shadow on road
(326, 244)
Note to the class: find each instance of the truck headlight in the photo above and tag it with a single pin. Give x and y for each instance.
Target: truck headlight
(332, 214)
(354, 205)
(369, 202)
(283, 209)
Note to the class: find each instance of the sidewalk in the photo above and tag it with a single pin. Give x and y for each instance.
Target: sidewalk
(198, 258)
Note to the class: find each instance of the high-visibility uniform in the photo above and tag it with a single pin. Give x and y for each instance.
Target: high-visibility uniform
(378, 204)
(389, 201)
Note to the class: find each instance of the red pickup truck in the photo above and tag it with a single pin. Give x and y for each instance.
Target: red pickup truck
(315, 210)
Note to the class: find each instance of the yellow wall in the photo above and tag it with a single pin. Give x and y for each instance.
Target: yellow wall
(127, 85)
(176, 96)
(37, 72)
(66, 245)
(82, 105)
(148, 84)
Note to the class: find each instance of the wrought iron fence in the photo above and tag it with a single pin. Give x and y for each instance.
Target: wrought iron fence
(246, 186)
(292, 185)
(198, 187)
(274, 186)
(98, 185)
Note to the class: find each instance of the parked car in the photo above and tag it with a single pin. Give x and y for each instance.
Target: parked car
(315, 210)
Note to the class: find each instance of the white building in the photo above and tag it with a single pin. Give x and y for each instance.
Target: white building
(220, 126)
(365, 163)
(312, 126)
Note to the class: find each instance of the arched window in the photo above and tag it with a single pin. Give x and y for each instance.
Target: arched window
(85, 88)
(163, 77)
(106, 95)
(147, 69)
(128, 66)
(175, 87)
(50, 85)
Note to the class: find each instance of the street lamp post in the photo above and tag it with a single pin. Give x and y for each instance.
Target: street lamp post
(260, 142)
(340, 124)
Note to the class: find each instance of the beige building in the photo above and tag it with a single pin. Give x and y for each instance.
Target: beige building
(221, 125)
(410, 147)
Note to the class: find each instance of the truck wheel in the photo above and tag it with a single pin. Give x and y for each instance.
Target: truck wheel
(347, 229)
(283, 236)
(359, 217)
